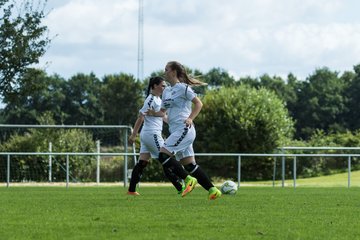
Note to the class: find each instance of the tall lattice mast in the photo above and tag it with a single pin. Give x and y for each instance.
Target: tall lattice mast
(140, 73)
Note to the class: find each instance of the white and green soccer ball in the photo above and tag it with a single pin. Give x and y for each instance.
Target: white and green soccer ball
(229, 187)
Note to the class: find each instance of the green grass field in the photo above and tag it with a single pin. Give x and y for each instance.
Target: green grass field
(159, 213)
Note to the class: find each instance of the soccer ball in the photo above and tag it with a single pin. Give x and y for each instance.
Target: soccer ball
(228, 187)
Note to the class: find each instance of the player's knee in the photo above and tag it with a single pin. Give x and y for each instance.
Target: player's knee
(191, 167)
(142, 164)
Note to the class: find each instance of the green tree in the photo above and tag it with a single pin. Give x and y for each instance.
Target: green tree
(321, 103)
(242, 119)
(36, 94)
(23, 40)
(283, 90)
(292, 90)
(217, 77)
(82, 104)
(121, 98)
(352, 92)
(2, 117)
(252, 82)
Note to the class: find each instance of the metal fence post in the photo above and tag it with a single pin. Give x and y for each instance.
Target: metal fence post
(239, 170)
(294, 170)
(67, 171)
(134, 152)
(283, 170)
(50, 162)
(8, 171)
(98, 162)
(349, 171)
(126, 158)
(274, 173)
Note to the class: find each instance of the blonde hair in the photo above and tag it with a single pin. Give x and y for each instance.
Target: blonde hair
(183, 76)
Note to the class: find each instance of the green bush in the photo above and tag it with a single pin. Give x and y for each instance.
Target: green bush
(35, 168)
(318, 166)
(242, 120)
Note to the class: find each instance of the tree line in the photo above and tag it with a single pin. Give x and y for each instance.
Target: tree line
(323, 101)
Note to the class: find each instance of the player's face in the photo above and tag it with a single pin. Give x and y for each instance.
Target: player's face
(168, 72)
(160, 87)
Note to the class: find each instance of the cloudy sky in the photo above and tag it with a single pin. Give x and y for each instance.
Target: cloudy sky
(243, 37)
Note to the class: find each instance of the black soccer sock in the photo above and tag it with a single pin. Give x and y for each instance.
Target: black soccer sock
(169, 162)
(175, 180)
(197, 172)
(136, 174)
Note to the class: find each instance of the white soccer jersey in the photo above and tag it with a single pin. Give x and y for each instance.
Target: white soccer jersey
(151, 123)
(177, 102)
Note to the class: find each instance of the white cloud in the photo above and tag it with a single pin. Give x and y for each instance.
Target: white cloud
(84, 21)
(243, 37)
(313, 42)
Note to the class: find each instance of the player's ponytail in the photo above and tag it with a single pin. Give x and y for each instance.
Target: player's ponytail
(183, 76)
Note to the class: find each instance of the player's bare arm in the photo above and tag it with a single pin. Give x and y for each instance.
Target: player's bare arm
(136, 129)
(152, 112)
(195, 111)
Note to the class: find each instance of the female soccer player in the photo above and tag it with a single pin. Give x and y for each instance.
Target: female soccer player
(150, 136)
(177, 102)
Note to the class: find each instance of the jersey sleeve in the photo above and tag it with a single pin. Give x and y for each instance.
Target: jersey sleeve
(147, 104)
(189, 93)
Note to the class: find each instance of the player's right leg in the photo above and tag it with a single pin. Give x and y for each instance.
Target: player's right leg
(190, 183)
(174, 179)
(196, 171)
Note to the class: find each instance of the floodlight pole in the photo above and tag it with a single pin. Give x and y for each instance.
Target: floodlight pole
(140, 67)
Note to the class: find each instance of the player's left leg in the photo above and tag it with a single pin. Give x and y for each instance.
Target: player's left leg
(137, 173)
(196, 171)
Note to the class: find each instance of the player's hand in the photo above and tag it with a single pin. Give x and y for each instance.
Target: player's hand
(131, 139)
(150, 112)
(188, 122)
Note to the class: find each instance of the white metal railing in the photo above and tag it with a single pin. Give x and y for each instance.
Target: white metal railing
(318, 148)
(237, 155)
(50, 154)
(286, 149)
(61, 126)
